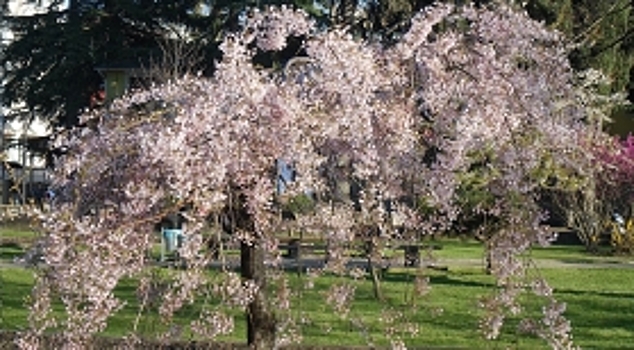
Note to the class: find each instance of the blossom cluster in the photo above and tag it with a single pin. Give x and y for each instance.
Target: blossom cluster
(616, 173)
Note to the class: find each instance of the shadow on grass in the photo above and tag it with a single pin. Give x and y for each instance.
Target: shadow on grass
(587, 261)
(52, 341)
(593, 260)
(13, 302)
(611, 295)
(439, 279)
(603, 321)
(10, 251)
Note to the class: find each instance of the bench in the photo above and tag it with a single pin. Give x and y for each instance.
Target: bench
(295, 247)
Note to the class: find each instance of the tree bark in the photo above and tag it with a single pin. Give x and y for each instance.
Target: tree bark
(261, 323)
(489, 258)
(374, 258)
(376, 280)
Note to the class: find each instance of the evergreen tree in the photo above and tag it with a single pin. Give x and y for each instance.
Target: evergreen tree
(604, 31)
(51, 66)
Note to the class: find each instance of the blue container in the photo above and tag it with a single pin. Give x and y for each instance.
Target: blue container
(173, 239)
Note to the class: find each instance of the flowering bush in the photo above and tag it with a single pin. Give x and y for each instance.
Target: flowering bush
(615, 183)
(401, 122)
(617, 174)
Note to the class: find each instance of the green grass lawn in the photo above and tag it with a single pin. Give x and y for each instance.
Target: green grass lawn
(18, 229)
(471, 249)
(600, 303)
(600, 306)
(15, 239)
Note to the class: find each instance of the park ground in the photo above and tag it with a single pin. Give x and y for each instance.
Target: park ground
(598, 290)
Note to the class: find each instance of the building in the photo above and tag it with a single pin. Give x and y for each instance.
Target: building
(23, 133)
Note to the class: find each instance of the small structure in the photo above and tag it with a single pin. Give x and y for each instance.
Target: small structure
(120, 77)
(172, 235)
(171, 241)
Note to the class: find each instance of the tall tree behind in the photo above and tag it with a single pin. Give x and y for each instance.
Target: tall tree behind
(52, 63)
(604, 30)
(383, 20)
(62, 46)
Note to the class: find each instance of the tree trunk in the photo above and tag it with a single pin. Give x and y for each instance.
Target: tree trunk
(374, 258)
(489, 258)
(261, 323)
(376, 280)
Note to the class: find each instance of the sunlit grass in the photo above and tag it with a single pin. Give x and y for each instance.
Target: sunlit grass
(600, 306)
(600, 303)
(18, 229)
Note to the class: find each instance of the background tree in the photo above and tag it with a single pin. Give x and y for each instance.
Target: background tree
(587, 204)
(67, 44)
(603, 31)
(64, 45)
